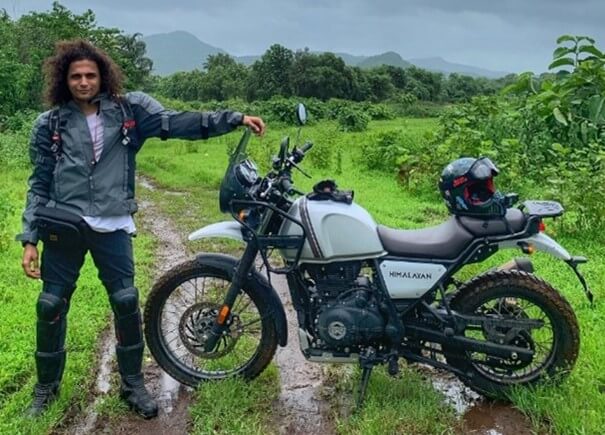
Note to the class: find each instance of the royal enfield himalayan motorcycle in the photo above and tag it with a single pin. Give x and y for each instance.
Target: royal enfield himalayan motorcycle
(363, 293)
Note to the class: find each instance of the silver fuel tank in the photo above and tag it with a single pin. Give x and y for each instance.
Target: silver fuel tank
(335, 232)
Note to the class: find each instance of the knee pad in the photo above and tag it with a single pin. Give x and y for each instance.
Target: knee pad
(125, 301)
(49, 307)
(52, 323)
(125, 304)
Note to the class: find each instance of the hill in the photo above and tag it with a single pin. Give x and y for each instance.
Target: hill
(388, 58)
(182, 51)
(177, 51)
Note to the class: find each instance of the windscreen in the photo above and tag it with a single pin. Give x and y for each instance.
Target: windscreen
(229, 185)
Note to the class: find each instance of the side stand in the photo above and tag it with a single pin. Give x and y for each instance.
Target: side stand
(367, 361)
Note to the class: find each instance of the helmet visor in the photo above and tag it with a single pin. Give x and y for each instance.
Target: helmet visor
(483, 169)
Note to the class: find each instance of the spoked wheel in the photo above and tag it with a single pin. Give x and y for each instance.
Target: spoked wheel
(555, 341)
(180, 312)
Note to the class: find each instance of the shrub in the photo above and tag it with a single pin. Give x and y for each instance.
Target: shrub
(353, 119)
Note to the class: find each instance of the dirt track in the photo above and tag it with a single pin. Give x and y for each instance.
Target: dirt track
(300, 408)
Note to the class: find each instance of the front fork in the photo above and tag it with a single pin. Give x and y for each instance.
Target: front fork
(239, 277)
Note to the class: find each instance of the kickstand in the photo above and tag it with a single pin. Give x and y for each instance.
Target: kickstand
(367, 361)
(363, 385)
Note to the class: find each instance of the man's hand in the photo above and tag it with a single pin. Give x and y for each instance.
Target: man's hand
(30, 261)
(255, 123)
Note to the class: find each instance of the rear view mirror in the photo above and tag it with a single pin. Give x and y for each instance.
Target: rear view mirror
(301, 114)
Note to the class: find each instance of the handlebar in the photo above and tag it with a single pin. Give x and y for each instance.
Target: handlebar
(306, 147)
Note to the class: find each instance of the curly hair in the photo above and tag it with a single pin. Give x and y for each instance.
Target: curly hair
(56, 68)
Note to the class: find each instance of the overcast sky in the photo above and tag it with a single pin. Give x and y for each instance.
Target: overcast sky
(505, 35)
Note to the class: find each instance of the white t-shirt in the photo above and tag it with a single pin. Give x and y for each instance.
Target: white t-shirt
(104, 224)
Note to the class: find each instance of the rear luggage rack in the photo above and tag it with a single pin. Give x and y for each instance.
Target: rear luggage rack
(547, 209)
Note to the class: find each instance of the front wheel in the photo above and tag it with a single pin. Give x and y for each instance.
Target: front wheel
(180, 311)
(516, 295)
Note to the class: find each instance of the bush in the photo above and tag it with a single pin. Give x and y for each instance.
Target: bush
(14, 139)
(548, 133)
(353, 119)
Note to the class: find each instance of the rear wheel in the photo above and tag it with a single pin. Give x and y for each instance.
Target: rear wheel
(179, 313)
(516, 295)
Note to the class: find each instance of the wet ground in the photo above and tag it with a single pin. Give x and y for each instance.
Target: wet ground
(173, 399)
(300, 408)
(479, 415)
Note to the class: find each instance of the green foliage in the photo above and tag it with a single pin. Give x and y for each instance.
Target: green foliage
(270, 75)
(325, 76)
(6, 212)
(397, 150)
(350, 119)
(28, 41)
(547, 131)
(14, 140)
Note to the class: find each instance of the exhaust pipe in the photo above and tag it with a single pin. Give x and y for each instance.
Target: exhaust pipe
(518, 263)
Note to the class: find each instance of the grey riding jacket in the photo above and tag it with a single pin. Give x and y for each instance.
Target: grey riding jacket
(74, 181)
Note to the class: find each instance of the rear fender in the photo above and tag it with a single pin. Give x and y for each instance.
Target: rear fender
(228, 264)
(542, 243)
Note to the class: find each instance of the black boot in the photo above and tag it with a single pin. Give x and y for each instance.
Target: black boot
(50, 370)
(132, 390)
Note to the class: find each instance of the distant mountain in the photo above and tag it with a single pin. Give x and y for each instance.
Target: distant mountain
(177, 51)
(388, 58)
(182, 51)
(441, 65)
(247, 60)
(351, 59)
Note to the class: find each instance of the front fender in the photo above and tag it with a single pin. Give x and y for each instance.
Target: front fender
(542, 243)
(228, 264)
(226, 229)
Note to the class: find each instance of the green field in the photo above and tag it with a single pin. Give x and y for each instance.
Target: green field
(575, 407)
(88, 317)
(405, 405)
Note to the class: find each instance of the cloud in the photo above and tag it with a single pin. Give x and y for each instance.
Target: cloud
(512, 35)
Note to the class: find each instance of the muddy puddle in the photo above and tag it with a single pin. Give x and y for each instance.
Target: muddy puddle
(479, 416)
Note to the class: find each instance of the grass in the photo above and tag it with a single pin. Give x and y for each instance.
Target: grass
(235, 406)
(88, 316)
(194, 170)
(409, 404)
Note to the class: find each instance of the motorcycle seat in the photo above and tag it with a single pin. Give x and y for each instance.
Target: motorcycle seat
(448, 239)
(515, 218)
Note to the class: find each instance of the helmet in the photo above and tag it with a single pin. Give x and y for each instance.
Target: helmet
(467, 186)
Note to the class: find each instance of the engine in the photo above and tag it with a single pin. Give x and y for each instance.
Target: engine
(346, 311)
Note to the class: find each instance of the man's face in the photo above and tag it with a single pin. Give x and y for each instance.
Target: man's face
(83, 80)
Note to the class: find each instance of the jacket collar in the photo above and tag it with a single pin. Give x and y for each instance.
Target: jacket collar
(104, 100)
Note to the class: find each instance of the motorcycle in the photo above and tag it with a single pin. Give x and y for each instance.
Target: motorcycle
(363, 293)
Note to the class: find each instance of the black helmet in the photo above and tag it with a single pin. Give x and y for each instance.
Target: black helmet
(467, 186)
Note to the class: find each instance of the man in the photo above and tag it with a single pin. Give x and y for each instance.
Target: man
(83, 154)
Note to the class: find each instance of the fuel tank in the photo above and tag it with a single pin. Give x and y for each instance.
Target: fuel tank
(335, 231)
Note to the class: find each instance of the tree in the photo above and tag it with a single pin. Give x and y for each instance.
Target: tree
(27, 42)
(321, 76)
(270, 75)
(225, 78)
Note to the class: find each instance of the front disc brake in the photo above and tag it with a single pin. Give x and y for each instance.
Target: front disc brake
(195, 326)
